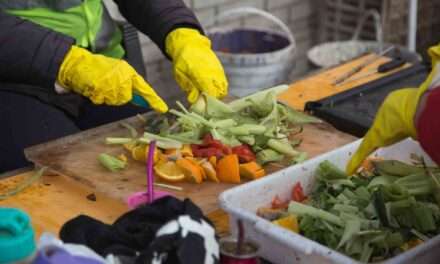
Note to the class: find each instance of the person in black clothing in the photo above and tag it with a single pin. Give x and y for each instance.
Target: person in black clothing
(61, 67)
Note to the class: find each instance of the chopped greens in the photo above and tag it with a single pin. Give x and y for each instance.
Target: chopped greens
(373, 215)
(257, 120)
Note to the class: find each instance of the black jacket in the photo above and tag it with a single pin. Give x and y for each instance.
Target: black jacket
(30, 55)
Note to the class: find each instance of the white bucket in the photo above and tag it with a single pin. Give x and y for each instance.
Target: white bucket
(253, 58)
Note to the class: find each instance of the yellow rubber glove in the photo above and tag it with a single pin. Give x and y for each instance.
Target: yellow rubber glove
(395, 119)
(196, 67)
(105, 80)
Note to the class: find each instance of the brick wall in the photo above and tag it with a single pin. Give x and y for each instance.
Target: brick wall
(299, 15)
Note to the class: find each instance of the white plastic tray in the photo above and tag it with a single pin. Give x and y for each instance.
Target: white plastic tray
(282, 246)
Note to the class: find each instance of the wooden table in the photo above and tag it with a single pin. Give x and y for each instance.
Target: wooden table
(55, 199)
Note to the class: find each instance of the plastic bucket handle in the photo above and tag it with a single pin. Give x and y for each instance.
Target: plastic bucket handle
(238, 12)
(377, 23)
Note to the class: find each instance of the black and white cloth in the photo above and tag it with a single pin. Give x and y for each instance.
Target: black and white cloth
(164, 232)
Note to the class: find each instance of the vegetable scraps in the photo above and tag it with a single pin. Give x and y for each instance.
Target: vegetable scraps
(371, 216)
(222, 142)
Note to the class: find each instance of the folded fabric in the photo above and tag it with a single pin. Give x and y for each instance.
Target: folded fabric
(56, 255)
(48, 242)
(166, 231)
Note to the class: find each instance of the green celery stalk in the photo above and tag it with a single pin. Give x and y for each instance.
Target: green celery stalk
(395, 168)
(352, 227)
(281, 147)
(131, 129)
(244, 102)
(328, 171)
(346, 208)
(216, 108)
(382, 180)
(162, 142)
(250, 140)
(302, 209)
(117, 141)
(367, 251)
(183, 139)
(199, 106)
(224, 123)
(247, 129)
(268, 155)
(424, 219)
(111, 163)
(302, 156)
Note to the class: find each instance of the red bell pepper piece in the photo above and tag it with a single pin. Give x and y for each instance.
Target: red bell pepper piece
(244, 153)
(298, 193)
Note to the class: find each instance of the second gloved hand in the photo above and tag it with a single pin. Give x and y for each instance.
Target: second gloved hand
(395, 119)
(105, 80)
(196, 67)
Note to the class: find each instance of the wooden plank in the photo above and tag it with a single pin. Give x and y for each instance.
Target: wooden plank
(320, 85)
(76, 157)
(55, 199)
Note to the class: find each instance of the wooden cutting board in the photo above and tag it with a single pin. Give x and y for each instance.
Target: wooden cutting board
(320, 85)
(76, 157)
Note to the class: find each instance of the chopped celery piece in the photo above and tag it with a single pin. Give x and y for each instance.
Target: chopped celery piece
(115, 140)
(216, 108)
(381, 180)
(302, 209)
(224, 123)
(296, 117)
(162, 142)
(244, 102)
(395, 168)
(268, 155)
(328, 171)
(199, 106)
(245, 130)
(131, 129)
(111, 163)
(302, 156)
(224, 138)
(282, 147)
(250, 140)
(352, 227)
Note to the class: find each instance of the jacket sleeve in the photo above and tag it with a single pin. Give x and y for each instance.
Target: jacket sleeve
(156, 18)
(30, 54)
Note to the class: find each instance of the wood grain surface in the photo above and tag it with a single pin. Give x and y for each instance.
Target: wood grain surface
(320, 85)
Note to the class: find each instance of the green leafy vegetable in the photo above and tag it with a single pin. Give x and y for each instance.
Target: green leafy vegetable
(370, 218)
(111, 163)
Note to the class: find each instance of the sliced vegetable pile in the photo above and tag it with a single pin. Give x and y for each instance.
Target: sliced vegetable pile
(220, 142)
(371, 216)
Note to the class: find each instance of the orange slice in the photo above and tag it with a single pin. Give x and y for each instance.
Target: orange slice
(169, 171)
(210, 172)
(192, 171)
(140, 153)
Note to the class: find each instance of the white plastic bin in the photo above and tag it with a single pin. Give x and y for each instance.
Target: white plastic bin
(282, 246)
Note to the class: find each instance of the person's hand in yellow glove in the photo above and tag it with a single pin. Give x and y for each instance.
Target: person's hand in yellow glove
(396, 118)
(196, 67)
(105, 80)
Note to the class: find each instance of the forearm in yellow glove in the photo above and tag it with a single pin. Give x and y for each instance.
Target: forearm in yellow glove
(395, 119)
(105, 80)
(196, 67)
